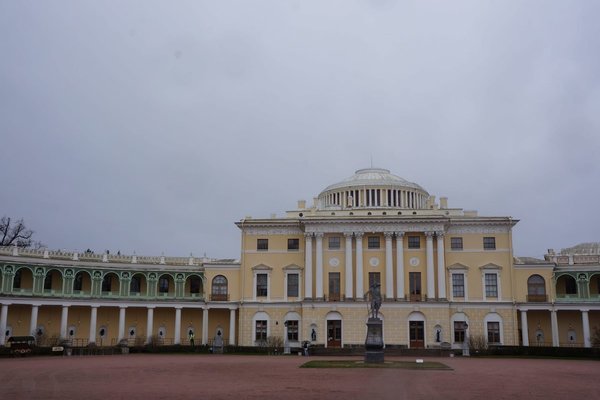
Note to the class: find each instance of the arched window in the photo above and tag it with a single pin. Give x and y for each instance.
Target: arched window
(78, 282)
(536, 288)
(219, 288)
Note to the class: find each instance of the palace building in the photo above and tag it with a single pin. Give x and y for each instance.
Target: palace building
(444, 273)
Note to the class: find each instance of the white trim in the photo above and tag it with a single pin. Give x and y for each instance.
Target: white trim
(417, 316)
(334, 316)
(260, 316)
(462, 272)
(458, 317)
(493, 317)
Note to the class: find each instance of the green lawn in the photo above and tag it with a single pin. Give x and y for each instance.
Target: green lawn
(430, 365)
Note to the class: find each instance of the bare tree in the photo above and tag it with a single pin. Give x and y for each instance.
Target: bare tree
(16, 233)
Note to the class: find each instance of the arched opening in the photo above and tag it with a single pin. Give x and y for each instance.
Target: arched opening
(416, 330)
(219, 291)
(193, 286)
(111, 284)
(261, 328)
(595, 286)
(166, 286)
(566, 287)
(23, 281)
(53, 282)
(334, 329)
(138, 285)
(292, 323)
(536, 288)
(82, 283)
(493, 329)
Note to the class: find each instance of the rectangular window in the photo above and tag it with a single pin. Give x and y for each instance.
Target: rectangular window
(491, 285)
(334, 242)
(374, 278)
(292, 331)
(261, 331)
(456, 243)
(262, 244)
(493, 329)
(293, 244)
(261, 285)
(292, 285)
(334, 286)
(459, 331)
(414, 281)
(489, 243)
(373, 242)
(414, 242)
(458, 285)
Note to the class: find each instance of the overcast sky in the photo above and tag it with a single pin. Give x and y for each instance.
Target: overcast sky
(152, 126)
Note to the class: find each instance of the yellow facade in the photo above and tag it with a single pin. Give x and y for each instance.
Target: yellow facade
(305, 276)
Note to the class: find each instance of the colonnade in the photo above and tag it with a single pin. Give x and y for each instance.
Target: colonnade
(356, 274)
(585, 322)
(121, 328)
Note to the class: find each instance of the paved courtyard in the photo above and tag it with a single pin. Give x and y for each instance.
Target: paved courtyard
(142, 376)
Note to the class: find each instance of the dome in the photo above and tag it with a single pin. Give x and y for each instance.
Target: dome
(373, 188)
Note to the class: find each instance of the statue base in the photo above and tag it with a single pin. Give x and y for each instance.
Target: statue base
(374, 341)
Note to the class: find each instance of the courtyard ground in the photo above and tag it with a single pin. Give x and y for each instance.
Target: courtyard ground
(144, 376)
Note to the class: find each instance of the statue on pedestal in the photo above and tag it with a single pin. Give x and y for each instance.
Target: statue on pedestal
(374, 340)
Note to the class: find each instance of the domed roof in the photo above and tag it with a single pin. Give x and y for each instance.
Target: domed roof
(374, 177)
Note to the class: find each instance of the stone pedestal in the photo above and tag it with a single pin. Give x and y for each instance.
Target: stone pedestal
(374, 341)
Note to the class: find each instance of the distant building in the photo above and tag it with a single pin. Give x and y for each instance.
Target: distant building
(444, 273)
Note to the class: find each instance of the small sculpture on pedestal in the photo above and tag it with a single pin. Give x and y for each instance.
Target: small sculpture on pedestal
(374, 340)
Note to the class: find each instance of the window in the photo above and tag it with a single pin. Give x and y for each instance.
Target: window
(493, 331)
(489, 243)
(262, 244)
(219, 288)
(414, 242)
(373, 242)
(334, 286)
(292, 331)
(163, 284)
(334, 243)
(135, 285)
(293, 244)
(491, 285)
(456, 243)
(106, 283)
(48, 281)
(195, 284)
(17, 280)
(570, 285)
(261, 285)
(458, 285)
(261, 331)
(78, 282)
(292, 285)
(374, 278)
(414, 279)
(536, 288)
(459, 331)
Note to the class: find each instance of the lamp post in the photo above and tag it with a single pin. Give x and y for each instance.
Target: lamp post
(466, 341)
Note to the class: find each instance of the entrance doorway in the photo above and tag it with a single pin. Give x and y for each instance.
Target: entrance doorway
(417, 334)
(334, 333)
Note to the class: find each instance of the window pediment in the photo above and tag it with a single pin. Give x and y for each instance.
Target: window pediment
(262, 267)
(292, 267)
(458, 267)
(490, 267)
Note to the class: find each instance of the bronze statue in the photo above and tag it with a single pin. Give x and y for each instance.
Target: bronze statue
(374, 297)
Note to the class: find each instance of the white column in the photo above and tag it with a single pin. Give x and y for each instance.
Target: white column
(205, 326)
(554, 326)
(319, 269)
(524, 328)
(349, 277)
(232, 327)
(389, 267)
(34, 318)
(121, 333)
(177, 338)
(93, 321)
(63, 322)
(441, 266)
(150, 324)
(3, 318)
(400, 265)
(359, 266)
(430, 273)
(586, 328)
(308, 266)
